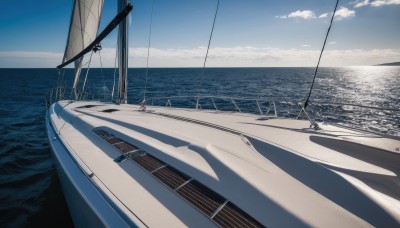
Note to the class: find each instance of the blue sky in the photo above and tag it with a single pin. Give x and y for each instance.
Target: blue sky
(247, 33)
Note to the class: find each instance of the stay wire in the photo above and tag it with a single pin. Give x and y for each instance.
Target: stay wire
(60, 78)
(320, 55)
(87, 72)
(209, 43)
(102, 76)
(148, 55)
(115, 70)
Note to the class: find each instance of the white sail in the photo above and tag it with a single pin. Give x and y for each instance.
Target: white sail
(85, 20)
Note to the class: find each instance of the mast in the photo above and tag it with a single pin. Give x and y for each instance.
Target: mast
(123, 50)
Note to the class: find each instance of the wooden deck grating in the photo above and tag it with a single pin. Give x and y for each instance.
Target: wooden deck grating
(126, 147)
(148, 162)
(171, 177)
(203, 198)
(103, 134)
(114, 140)
(215, 206)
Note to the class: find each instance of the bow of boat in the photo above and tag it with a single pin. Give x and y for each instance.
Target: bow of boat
(186, 167)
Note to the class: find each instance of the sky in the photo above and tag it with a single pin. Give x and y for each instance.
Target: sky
(248, 33)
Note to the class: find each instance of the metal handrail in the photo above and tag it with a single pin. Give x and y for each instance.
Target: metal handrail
(213, 98)
(67, 93)
(271, 109)
(58, 93)
(355, 105)
(265, 107)
(263, 99)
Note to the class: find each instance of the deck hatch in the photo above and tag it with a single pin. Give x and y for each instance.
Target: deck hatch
(110, 110)
(216, 207)
(203, 198)
(171, 177)
(88, 106)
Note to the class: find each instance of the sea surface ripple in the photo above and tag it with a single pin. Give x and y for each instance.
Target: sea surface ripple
(30, 194)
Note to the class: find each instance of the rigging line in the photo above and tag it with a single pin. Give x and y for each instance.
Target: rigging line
(209, 42)
(117, 19)
(62, 76)
(115, 70)
(320, 55)
(148, 54)
(87, 72)
(60, 80)
(59, 74)
(87, 62)
(102, 76)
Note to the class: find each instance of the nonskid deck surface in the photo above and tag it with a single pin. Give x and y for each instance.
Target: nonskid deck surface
(277, 171)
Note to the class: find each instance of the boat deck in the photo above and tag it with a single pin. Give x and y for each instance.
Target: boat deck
(185, 167)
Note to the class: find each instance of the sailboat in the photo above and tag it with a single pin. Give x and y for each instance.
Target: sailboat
(127, 165)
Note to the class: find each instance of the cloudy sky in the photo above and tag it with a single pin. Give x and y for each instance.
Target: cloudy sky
(248, 33)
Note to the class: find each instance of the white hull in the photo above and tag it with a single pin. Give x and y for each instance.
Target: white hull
(278, 171)
(88, 206)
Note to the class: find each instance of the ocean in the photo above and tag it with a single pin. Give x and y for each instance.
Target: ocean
(30, 194)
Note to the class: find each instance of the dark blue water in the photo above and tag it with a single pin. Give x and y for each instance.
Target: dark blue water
(30, 194)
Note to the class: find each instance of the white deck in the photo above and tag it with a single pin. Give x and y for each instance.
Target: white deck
(278, 171)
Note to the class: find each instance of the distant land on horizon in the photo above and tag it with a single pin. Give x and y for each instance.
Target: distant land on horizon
(389, 64)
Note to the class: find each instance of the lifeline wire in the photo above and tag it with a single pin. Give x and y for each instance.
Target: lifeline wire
(148, 54)
(320, 55)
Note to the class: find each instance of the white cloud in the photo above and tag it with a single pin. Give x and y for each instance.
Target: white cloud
(27, 54)
(306, 45)
(344, 12)
(20, 59)
(375, 3)
(340, 14)
(360, 57)
(333, 42)
(305, 14)
(263, 57)
(247, 56)
(323, 15)
(378, 3)
(361, 4)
